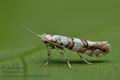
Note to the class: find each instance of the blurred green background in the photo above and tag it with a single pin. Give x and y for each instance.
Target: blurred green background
(22, 55)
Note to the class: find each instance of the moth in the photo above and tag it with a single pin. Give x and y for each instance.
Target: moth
(80, 46)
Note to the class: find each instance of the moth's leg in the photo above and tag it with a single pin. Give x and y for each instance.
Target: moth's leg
(63, 53)
(48, 54)
(84, 59)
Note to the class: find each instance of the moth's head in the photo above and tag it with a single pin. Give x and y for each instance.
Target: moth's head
(103, 46)
(46, 37)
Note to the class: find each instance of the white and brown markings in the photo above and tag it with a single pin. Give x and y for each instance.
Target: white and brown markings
(80, 46)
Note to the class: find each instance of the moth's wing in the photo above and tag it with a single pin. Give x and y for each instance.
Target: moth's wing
(55, 44)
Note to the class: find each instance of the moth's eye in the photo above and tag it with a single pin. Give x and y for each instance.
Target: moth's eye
(104, 50)
(45, 41)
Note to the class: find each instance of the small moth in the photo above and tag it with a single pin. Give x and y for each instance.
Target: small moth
(80, 46)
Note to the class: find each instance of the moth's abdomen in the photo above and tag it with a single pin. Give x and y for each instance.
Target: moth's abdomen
(96, 48)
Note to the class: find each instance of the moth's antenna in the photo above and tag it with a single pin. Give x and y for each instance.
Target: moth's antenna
(28, 29)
